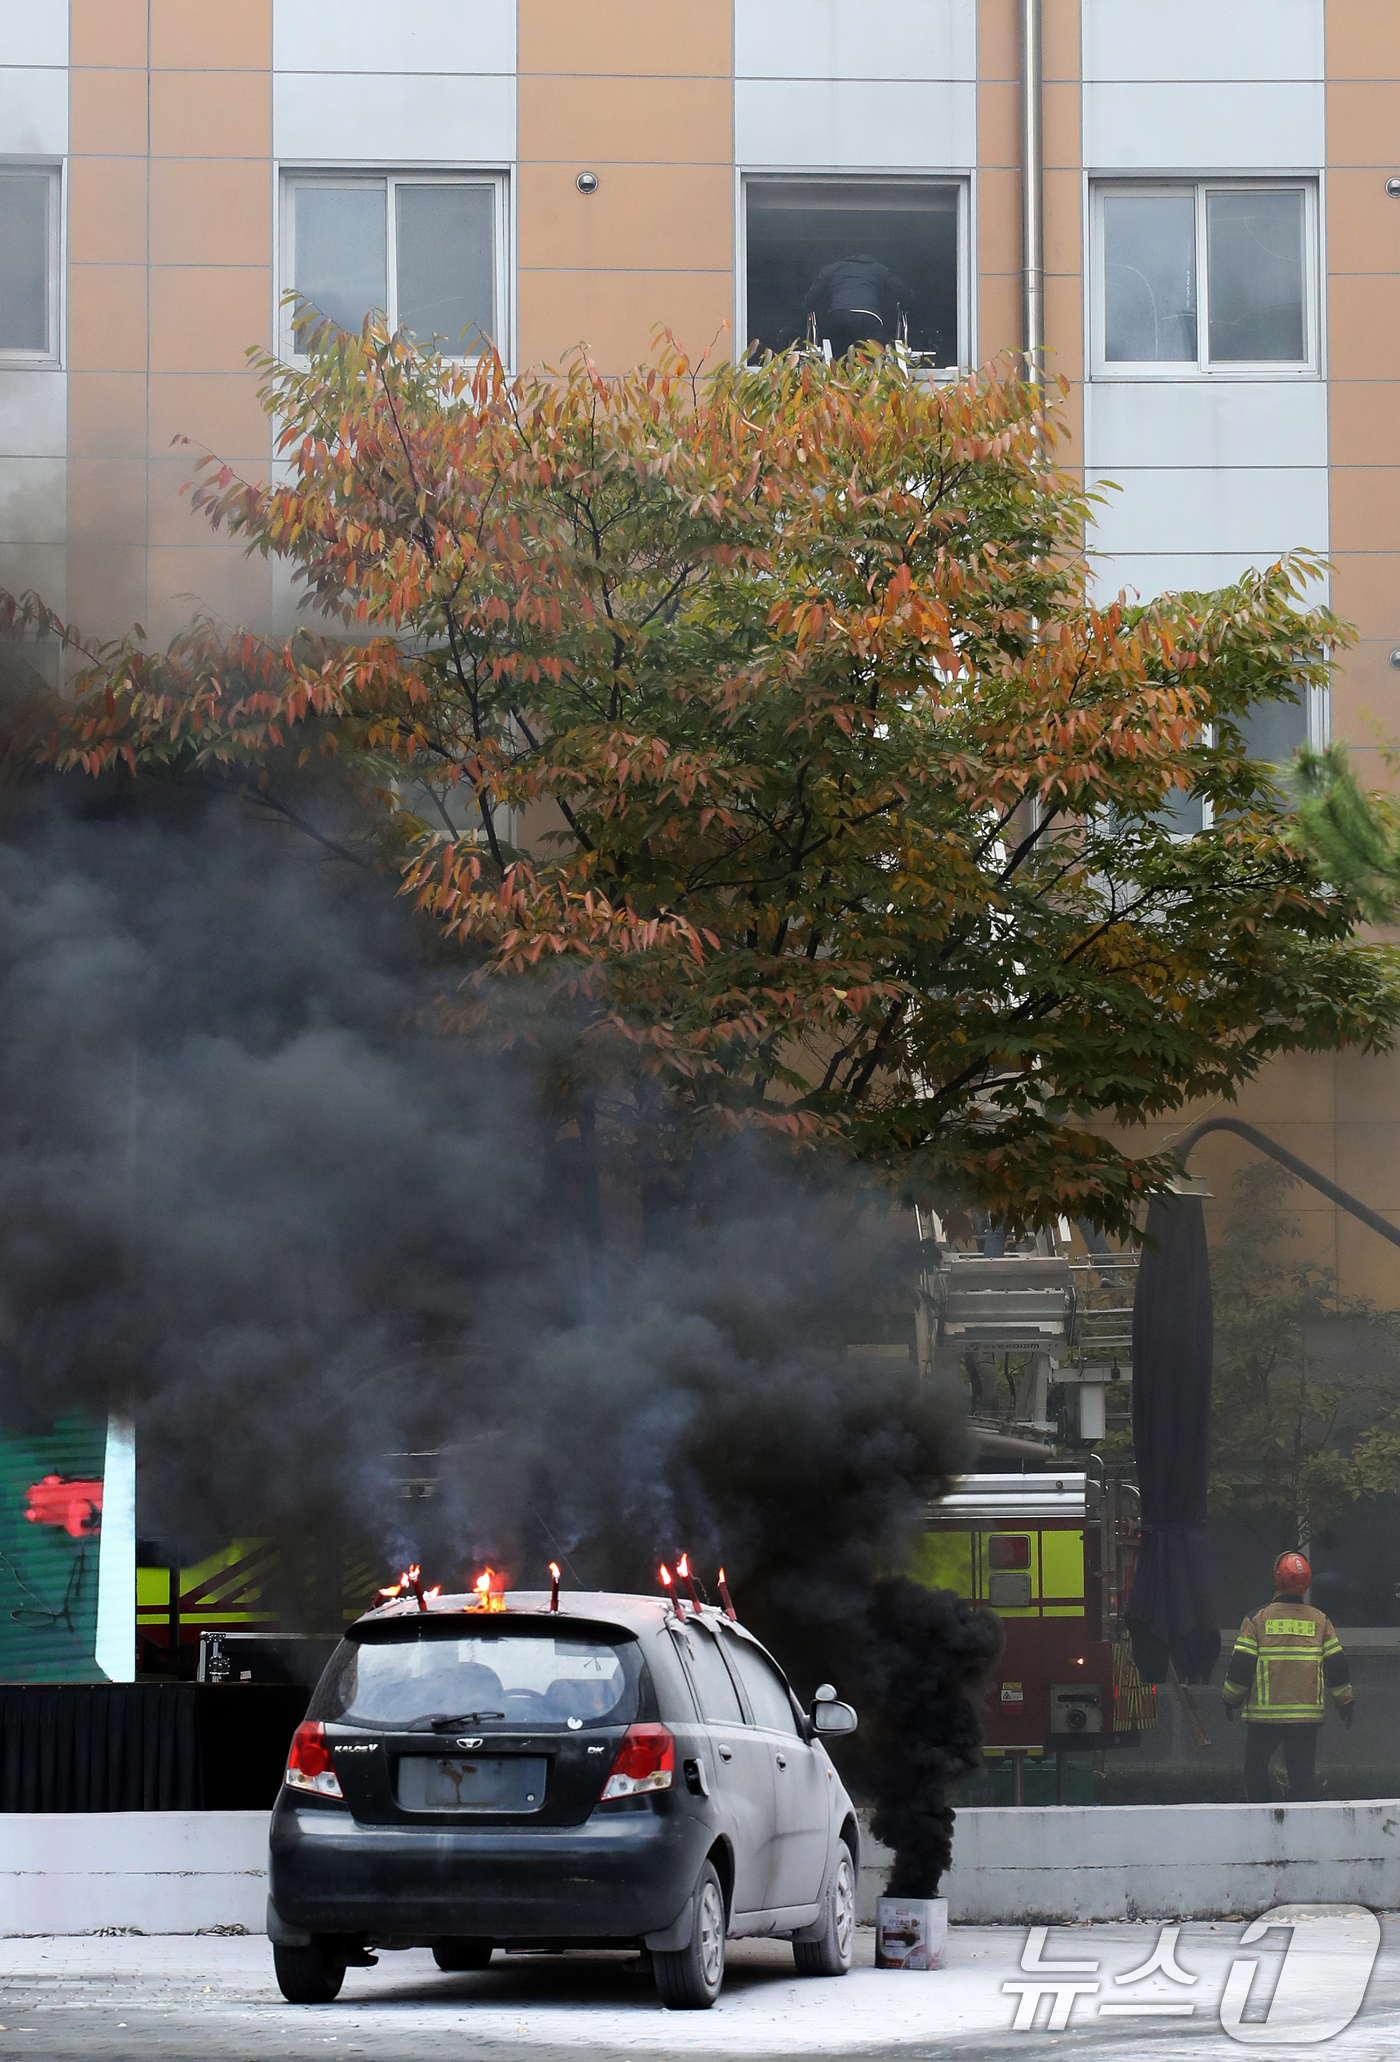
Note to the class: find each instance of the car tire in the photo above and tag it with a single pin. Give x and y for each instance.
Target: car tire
(455, 1956)
(310, 1975)
(689, 1979)
(830, 1954)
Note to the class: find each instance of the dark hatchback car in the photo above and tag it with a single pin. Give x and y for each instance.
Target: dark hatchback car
(613, 1773)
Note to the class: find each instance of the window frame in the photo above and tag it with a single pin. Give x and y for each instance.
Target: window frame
(51, 358)
(387, 179)
(959, 183)
(1205, 368)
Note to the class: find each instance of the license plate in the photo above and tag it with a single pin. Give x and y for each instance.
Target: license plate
(454, 1782)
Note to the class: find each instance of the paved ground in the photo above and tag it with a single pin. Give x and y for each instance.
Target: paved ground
(214, 1999)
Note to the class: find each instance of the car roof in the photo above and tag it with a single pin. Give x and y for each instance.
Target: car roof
(600, 1608)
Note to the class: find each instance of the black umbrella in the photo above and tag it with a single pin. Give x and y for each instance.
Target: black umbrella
(1173, 1609)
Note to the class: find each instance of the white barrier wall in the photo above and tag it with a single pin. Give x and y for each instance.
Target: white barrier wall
(190, 1872)
(132, 1871)
(1177, 1861)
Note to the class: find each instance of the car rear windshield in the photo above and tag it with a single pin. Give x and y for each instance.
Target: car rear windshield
(493, 1680)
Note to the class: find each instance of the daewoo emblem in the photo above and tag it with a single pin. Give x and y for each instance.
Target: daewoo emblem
(469, 1743)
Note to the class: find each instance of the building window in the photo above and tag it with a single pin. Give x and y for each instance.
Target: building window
(426, 252)
(1205, 278)
(29, 267)
(843, 261)
(1274, 731)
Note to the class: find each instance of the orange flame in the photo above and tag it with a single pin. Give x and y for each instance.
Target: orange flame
(683, 1565)
(665, 1575)
(489, 1590)
(554, 1571)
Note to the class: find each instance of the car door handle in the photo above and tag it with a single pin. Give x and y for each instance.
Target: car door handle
(782, 1761)
(726, 1753)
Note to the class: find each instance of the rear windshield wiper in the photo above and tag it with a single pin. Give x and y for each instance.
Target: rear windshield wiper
(443, 1721)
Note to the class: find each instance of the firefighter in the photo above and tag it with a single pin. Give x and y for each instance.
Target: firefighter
(1285, 1658)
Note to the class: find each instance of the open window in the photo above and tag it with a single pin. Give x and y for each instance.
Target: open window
(843, 261)
(1205, 277)
(30, 218)
(426, 251)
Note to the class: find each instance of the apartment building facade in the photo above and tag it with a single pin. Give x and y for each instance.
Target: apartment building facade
(1221, 282)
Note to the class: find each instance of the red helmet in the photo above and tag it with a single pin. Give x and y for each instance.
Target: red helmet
(1292, 1575)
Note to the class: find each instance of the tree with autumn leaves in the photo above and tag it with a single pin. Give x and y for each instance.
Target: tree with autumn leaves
(754, 729)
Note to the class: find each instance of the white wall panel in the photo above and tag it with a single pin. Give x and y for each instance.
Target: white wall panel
(855, 39)
(1259, 511)
(832, 125)
(1145, 574)
(429, 36)
(33, 32)
(1205, 128)
(33, 111)
(1204, 422)
(40, 567)
(33, 413)
(1203, 39)
(33, 500)
(405, 119)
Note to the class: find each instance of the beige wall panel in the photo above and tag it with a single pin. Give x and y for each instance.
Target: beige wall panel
(999, 221)
(1364, 587)
(597, 122)
(1364, 424)
(107, 211)
(999, 125)
(211, 35)
(107, 32)
(107, 500)
(107, 587)
(1363, 222)
(191, 119)
(1064, 222)
(173, 520)
(107, 112)
(1060, 38)
(215, 578)
(1063, 324)
(998, 40)
(1366, 508)
(1361, 125)
(649, 217)
(1069, 452)
(1368, 1084)
(1061, 118)
(106, 415)
(999, 317)
(1296, 1087)
(215, 211)
(1366, 692)
(107, 318)
(1368, 1163)
(561, 309)
(642, 38)
(218, 413)
(1363, 39)
(204, 318)
(1366, 1264)
(1363, 340)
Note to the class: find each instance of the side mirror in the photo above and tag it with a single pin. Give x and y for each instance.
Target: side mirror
(829, 1716)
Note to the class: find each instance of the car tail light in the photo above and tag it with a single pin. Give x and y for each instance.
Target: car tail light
(646, 1760)
(309, 1763)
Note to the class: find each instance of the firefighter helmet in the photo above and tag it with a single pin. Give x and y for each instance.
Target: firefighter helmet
(1292, 1575)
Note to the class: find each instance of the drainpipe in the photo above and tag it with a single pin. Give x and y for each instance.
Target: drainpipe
(1032, 191)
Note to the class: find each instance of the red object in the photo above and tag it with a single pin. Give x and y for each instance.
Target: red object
(554, 1585)
(58, 1500)
(729, 1610)
(1292, 1575)
(683, 1569)
(309, 1765)
(646, 1760)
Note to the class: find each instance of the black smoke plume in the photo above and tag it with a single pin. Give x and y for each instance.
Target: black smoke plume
(323, 1254)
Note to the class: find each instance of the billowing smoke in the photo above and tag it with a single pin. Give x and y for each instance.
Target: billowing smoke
(321, 1253)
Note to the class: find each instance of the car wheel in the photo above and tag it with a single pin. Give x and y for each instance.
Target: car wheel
(689, 1979)
(310, 1975)
(456, 1955)
(830, 1954)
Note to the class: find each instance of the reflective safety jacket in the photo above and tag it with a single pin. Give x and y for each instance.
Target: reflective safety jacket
(1285, 1658)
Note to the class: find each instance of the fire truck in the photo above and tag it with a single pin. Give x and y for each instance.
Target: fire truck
(1046, 1333)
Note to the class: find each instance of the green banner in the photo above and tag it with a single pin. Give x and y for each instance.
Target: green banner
(51, 1494)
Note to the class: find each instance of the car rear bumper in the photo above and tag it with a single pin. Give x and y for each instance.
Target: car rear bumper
(616, 1877)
